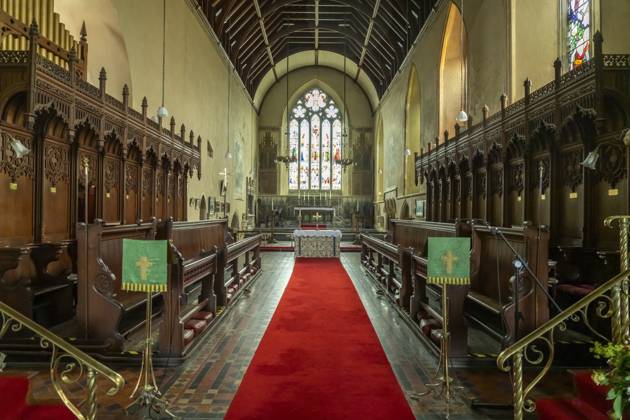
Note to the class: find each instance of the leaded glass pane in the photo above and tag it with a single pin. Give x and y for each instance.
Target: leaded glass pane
(304, 154)
(578, 31)
(336, 147)
(294, 133)
(314, 132)
(326, 155)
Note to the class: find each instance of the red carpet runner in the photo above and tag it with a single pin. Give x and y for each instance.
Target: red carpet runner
(320, 357)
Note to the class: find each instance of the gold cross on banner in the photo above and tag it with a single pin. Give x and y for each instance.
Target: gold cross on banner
(317, 216)
(143, 265)
(449, 260)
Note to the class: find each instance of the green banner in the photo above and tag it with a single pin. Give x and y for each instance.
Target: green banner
(449, 261)
(144, 267)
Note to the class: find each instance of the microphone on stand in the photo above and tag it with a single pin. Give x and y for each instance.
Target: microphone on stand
(496, 231)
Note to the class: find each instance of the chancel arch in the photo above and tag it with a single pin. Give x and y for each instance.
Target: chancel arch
(412, 131)
(452, 86)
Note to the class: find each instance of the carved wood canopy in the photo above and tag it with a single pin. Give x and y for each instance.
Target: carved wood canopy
(375, 34)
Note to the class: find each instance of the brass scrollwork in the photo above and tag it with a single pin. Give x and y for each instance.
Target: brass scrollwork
(69, 366)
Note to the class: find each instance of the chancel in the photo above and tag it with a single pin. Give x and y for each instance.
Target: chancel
(314, 209)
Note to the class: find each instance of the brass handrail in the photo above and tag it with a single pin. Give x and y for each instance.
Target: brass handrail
(613, 305)
(68, 364)
(526, 348)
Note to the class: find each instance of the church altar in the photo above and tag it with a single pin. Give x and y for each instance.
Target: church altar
(316, 215)
(317, 243)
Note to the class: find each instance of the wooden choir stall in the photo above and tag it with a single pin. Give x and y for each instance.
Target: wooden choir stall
(520, 170)
(97, 171)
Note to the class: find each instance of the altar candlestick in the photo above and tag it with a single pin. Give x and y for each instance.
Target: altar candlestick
(272, 204)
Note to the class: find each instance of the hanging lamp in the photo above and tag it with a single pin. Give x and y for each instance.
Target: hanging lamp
(462, 117)
(228, 154)
(345, 161)
(288, 158)
(162, 112)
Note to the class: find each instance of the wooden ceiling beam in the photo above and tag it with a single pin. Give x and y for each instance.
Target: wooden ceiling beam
(264, 34)
(368, 34)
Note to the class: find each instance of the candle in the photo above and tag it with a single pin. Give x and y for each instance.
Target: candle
(272, 204)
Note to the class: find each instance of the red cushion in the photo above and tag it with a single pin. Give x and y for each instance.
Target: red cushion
(197, 325)
(188, 336)
(203, 315)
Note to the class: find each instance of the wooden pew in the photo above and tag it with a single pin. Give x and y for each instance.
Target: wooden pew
(34, 280)
(426, 309)
(104, 311)
(190, 302)
(239, 275)
(485, 304)
(489, 305)
(390, 266)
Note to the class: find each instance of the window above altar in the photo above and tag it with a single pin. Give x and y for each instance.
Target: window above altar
(315, 140)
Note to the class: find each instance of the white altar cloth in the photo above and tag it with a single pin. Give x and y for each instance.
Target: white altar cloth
(317, 243)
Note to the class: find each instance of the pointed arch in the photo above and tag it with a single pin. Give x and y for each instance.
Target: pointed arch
(412, 130)
(453, 72)
(380, 159)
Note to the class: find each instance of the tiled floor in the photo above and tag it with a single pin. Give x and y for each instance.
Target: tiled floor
(203, 387)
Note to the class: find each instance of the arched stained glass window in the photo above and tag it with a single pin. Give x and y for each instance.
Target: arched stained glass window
(578, 31)
(315, 141)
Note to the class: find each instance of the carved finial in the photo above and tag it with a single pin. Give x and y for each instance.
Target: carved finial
(125, 90)
(34, 28)
(445, 136)
(83, 32)
(484, 111)
(457, 128)
(182, 132)
(470, 122)
(503, 101)
(527, 84)
(145, 105)
(172, 125)
(103, 74)
(72, 55)
(199, 142)
(192, 137)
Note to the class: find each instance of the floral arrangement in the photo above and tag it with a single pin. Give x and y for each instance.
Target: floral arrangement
(617, 377)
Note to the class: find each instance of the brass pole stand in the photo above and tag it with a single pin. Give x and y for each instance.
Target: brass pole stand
(443, 384)
(272, 238)
(149, 403)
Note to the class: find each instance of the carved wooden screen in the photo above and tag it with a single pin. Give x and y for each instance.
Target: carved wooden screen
(57, 183)
(16, 176)
(88, 154)
(148, 188)
(112, 181)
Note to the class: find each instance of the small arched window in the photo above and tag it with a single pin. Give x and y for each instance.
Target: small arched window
(578, 32)
(315, 142)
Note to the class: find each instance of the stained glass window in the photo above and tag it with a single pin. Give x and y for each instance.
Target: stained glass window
(578, 31)
(315, 139)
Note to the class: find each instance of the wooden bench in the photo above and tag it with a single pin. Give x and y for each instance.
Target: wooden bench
(390, 266)
(490, 305)
(238, 275)
(104, 311)
(34, 280)
(190, 299)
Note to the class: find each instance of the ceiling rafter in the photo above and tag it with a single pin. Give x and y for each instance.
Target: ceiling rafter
(264, 34)
(374, 34)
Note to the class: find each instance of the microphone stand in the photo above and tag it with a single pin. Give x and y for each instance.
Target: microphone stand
(519, 265)
(496, 231)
